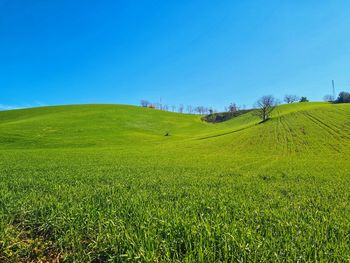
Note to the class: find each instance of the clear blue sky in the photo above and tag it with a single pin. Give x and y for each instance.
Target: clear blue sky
(191, 52)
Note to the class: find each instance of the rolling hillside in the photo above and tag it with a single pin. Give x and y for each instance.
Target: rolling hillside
(103, 182)
(116, 125)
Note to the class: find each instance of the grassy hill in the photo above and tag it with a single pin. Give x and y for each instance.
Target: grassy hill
(102, 182)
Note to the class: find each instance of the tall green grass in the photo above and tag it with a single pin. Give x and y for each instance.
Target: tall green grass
(102, 183)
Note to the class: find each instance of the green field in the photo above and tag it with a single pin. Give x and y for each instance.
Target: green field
(99, 183)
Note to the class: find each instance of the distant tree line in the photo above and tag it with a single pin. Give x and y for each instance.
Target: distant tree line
(294, 98)
(290, 98)
(201, 110)
(264, 106)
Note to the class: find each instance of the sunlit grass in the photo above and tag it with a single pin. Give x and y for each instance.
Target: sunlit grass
(102, 183)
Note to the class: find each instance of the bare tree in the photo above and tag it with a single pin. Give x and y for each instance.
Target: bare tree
(290, 98)
(232, 108)
(200, 110)
(181, 108)
(197, 109)
(266, 105)
(189, 109)
(144, 103)
(173, 108)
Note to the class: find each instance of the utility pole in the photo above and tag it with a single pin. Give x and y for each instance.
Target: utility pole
(333, 90)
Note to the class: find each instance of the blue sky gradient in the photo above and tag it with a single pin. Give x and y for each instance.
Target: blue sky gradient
(187, 52)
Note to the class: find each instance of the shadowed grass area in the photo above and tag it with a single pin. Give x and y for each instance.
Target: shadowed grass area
(102, 183)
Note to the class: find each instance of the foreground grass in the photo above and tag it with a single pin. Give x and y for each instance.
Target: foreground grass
(273, 192)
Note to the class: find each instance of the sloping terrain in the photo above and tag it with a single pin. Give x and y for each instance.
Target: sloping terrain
(103, 183)
(293, 127)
